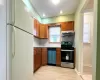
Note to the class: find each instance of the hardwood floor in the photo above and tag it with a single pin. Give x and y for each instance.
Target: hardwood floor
(87, 73)
(55, 73)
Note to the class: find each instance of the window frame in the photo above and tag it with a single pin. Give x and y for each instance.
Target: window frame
(49, 35)
(88, 34)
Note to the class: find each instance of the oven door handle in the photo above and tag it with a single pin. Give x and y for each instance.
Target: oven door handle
(67, 50)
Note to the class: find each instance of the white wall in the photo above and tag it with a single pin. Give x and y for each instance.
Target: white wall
(36, 42)
(87, 55)
(45, 43)
(87, 48)
(78, 34)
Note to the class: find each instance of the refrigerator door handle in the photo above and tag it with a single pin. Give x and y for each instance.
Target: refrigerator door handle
(13, 53)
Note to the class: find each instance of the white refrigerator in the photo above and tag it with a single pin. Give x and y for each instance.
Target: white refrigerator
(17, 29)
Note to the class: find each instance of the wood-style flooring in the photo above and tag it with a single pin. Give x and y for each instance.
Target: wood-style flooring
(55, 73)
(87, 73)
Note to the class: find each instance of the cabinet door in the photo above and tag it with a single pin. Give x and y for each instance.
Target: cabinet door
(37, 29)
(38, 60)
(43, 31)
(58, 56)
(66, 26)
(46, 31)
(63, 26)
(35, 60)
(35, 25)
(70, 25)
(44, 56)
(39, 57)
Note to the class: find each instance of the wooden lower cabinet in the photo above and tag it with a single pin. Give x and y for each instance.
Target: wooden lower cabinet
(44, 56)
(34, 60)
(41, 57)
(58, 56)
(74, 57)
(37, 58)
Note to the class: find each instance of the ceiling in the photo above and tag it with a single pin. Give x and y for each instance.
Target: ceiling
(51, 10)
(90, 4)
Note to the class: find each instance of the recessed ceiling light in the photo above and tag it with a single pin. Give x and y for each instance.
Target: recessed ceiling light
(55, 2)
(43, 15)
(61, 12)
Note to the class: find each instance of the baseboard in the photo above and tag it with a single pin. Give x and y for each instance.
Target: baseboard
(77, 72)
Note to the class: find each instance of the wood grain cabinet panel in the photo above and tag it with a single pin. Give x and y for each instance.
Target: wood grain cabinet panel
(35, 61)
(63, 26)
(44, 56)
(37, 58)
(43, 31)
(36, 28)
(66, 26)
(58, 56)
(40, 30)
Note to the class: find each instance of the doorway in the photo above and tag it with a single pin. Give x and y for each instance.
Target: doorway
(86, 56)
(87, 45)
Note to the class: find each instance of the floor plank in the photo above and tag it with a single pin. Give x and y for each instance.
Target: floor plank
(55, 73)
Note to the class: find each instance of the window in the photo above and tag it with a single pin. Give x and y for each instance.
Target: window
(86, 33)
(54, 34)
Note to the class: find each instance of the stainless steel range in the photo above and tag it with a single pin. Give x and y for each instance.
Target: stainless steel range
(67, 49)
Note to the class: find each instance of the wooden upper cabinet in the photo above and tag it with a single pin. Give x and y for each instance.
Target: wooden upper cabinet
(43, 31)
(36, 28)
(35, 25)
(66, 26)
(58, 56)
(40, 30)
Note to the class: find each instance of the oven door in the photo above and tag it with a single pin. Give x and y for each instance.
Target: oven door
(67, 56)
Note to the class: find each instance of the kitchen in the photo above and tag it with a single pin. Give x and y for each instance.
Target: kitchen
(40, 39)
(55, 45)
